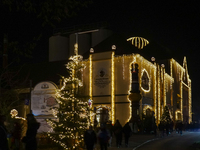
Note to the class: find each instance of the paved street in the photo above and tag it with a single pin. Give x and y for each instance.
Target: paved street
(140, 140)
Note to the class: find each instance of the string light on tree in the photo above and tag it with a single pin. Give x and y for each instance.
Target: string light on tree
(71, 117)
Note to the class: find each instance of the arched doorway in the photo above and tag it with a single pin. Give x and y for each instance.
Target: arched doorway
(102, 114)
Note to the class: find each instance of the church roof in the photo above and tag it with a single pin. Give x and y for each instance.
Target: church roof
(153, 49)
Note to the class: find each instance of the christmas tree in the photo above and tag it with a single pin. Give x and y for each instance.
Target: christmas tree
(165, 118)
(71, 118)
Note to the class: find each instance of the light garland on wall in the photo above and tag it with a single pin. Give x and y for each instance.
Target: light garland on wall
(90, 76)
(158, 94)
(164, 88)
(190, 103)
(113, 86)
(149, 84)
(158, 77)
(147, 107)
(106, 107)
(176, 114)
(133, 57)
(123, 68)
(155, 93)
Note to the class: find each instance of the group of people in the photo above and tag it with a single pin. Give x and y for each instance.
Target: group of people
(29, 139)
(105, 133)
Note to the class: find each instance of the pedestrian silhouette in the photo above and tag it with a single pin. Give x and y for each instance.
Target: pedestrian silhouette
(118, 133)
(109, 127)
(103, 136)
(127, 133)
(30, 138)
(16, 135)
(3, 134)
(90, 138)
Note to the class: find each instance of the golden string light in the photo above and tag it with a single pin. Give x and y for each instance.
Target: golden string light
(139, 42)
(113, 86)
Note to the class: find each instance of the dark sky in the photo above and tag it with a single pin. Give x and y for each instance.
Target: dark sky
(174, 24)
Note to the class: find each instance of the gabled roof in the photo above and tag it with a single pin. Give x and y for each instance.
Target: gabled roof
(123, 46)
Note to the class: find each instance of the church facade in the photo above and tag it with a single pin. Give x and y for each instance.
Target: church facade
(107, 80)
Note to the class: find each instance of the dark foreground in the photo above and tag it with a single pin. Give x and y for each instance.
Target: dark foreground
(144, 141)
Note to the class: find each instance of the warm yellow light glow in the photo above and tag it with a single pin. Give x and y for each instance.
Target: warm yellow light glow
(158, 80)
(142, 72)
(130, 75)
(176, 114)
(113, 86)
(155, 93)
(158, 71)
(90, 76)
(14, 114)
(164, 88)
(139, 42)
(147, 107)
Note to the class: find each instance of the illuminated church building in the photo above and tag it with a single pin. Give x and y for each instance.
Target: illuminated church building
(107, 80)
(110, 61)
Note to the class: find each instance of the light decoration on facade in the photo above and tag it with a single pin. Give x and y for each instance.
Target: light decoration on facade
(181, 94)
(106, 107)
(123, 67)
(133, 61)
(176, 114)
(155, 90)
(14, 114)
(169, 78)
(164, 88)
(147, 107)
(138, 42)
(159, 76)
(113, 86)
(90, 76)
(158, 93)
(190, 103)
(149, 84)
(181, 70)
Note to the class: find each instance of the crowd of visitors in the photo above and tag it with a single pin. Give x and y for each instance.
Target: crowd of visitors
(102, 135)
(105, 133)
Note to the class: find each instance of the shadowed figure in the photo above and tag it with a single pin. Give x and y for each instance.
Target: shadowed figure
(30, 138)
(118, 133)
(90, 138)
(3, 134)
(127, 133)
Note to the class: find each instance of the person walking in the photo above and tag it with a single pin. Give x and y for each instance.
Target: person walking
(127, 133)
(109, 126)
(30, 138)
(103, 136)
(90, 138)
(118, 133)
(3, 134)
(16, 135)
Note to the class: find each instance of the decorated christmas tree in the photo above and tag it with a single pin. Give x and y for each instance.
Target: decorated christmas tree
(72, 116)
(165, 118)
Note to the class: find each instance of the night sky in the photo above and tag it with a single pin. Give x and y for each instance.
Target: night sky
(174, 25)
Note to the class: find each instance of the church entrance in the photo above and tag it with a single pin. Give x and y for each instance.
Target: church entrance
(102, 115)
